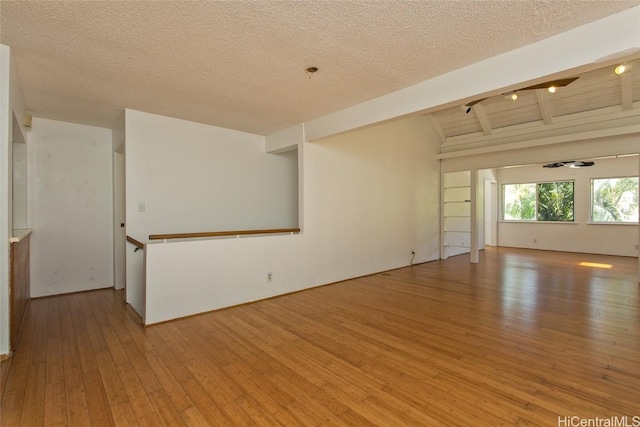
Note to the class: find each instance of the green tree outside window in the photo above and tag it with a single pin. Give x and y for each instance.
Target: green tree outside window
(519, 202)
(546, 201)
(555, 201)
(614, 199)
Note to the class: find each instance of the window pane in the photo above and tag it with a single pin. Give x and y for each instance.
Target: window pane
(614, 199)
(519, 202)
(555, 201)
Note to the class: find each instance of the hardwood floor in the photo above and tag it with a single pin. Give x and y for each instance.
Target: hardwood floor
(523, 338)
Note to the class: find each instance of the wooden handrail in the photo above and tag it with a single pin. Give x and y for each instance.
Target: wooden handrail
(221, 233)
(137, 243)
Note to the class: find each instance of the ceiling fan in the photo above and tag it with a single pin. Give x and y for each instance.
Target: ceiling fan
(551, 85)
(570, 163)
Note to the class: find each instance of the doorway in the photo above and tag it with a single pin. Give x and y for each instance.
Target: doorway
(491, 213)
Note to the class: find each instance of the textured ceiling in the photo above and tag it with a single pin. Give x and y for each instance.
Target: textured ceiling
(241, 64)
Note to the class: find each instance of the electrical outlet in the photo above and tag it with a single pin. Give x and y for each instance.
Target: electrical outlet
(141, 207)
(535, 240)
(269, 276)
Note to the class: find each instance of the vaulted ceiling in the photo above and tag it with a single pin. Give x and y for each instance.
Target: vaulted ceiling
(241, 64)
(597, 99)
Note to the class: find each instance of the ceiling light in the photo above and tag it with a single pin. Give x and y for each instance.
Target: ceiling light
(511, 96)
(552, 89)
(622, 68)
(310, 71)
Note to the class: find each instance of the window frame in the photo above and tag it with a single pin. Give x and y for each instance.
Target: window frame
(535, 219)
(502, 209)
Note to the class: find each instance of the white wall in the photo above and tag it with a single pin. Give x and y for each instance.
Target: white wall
(193, 177)
(20, 209)
(70, 207)
(11, 103)
(370, 197)
(135, 278)
(580, 236)
(490, 201)
(5, 195)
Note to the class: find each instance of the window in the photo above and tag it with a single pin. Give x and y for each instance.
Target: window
(519, 202)
(545, 201)
(614, 200)
(555, 201)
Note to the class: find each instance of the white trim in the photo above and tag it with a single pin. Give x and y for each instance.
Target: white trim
(533, 221)
(633, 224)
(600, 133)
(19, 235)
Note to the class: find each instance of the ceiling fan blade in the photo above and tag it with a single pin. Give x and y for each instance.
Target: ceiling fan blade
(570, 163)
(580, 164)
(554, 165)
(556, 83)
(472, 103)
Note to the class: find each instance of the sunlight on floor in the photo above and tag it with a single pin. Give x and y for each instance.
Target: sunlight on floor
(594, 265)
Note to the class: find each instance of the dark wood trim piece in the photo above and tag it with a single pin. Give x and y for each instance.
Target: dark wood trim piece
(135, 242)
(221, 233)
(20, 288)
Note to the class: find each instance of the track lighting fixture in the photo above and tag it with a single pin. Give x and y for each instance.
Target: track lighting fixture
(511, 96)
(551, 86)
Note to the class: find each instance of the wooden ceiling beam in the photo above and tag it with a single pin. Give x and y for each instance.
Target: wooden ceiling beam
(483, 118)
(626, 89)
(435, 126)
(545, 109)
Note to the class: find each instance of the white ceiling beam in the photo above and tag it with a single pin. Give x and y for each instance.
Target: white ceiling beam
(608, 117)
(284, 140)
(435, 126)
(545, 109)
(584, 148)
(483, 118)
(626, 88)
(552, 140)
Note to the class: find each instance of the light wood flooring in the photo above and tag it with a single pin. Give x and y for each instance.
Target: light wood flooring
(523, 338)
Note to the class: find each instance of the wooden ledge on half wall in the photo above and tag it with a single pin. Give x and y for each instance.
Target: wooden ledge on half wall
(222, 233)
